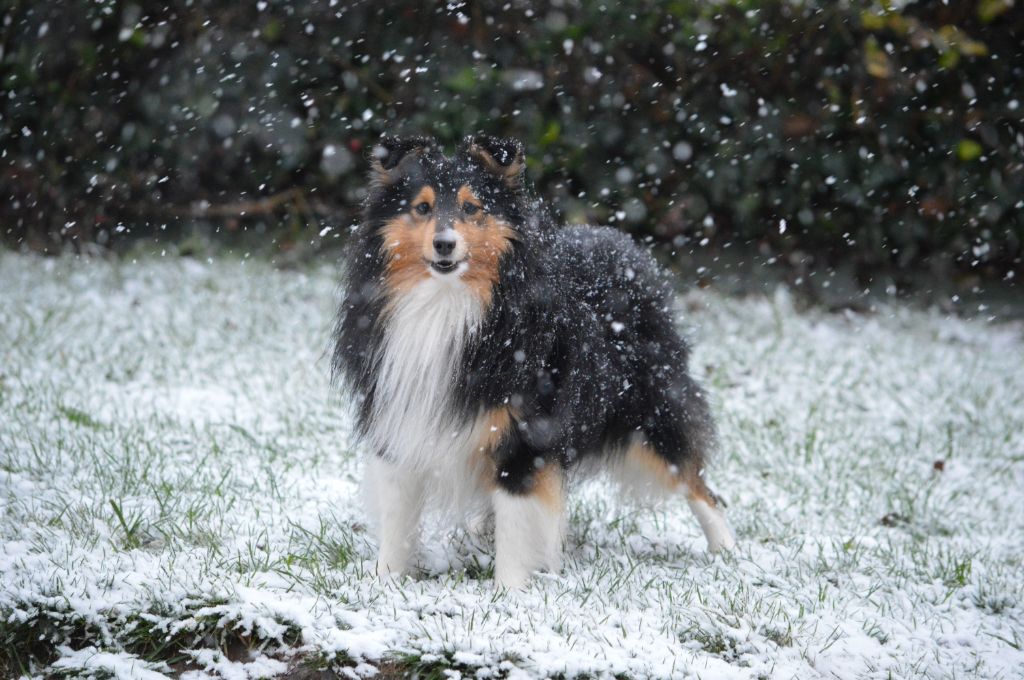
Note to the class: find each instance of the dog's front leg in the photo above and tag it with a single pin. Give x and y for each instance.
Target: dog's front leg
(395, 499)
(528, 526)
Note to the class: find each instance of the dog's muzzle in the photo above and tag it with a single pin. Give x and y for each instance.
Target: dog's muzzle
(443, 260)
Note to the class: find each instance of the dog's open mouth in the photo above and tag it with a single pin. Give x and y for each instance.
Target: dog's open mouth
(445, 266)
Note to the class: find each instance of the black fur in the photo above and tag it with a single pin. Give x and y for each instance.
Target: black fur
(579, 337)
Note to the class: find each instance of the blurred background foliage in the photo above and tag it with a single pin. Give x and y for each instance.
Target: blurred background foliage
(870, 134)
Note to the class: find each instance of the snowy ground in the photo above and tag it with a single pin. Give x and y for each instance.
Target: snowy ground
(178, 493)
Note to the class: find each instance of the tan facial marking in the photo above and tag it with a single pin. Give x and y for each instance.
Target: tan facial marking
(424, 195)
(466, 195)
(407, 241)
(487, 239)
(483, 240)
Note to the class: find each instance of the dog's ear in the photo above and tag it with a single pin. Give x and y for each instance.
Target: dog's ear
(502, 156)
(389, 152)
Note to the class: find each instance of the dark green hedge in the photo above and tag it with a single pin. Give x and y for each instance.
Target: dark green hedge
(849, 130)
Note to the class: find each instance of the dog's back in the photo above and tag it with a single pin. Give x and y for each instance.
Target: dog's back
(624, 361)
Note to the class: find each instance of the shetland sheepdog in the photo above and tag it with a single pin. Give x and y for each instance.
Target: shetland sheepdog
(491, 351)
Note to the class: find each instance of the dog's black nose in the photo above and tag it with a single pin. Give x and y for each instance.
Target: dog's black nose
(444, 245)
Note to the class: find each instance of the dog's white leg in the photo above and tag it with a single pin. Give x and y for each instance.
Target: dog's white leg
(395, 499)
(479, 524)
(712, 521)
(708, 512)
(528, 529)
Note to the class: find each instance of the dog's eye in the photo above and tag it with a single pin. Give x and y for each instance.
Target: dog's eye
(470, 208)
(422, 208)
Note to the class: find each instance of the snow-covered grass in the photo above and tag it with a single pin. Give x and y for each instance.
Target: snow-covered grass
(179, 494)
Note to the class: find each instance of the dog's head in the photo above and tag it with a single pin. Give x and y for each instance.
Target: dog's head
(454, 218)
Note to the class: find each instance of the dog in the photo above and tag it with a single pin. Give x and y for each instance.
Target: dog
(493, 352)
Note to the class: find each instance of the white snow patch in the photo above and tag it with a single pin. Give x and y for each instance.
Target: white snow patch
(194, 398)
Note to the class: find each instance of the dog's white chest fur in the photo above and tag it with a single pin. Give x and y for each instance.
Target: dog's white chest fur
(412, 424)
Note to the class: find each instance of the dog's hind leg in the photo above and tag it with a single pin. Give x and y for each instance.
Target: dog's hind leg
(707, 508)
(528, 527)
(643, 466)
(681, 434)
(394, 497)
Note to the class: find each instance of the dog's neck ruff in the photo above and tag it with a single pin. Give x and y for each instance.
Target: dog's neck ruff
(426, 330)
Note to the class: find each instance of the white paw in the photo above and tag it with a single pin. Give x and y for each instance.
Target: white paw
(716, 529)
(510, 577)
(721, 542)
(480, 525)
(391, 569)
